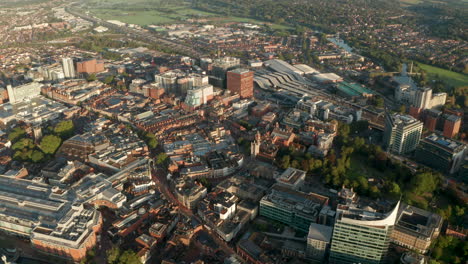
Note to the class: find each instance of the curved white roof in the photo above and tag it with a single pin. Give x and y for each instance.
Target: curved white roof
(389, 220)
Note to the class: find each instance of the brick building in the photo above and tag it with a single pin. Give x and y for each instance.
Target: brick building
(90, 66)
(240, 81)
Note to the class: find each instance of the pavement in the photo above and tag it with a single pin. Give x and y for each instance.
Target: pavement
(159, 177)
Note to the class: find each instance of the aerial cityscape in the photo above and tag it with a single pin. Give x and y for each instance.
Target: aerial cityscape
(232, 132)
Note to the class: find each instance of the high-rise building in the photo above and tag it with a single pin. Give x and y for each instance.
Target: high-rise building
(423, 98)
(197, 96)
(293, 208)
(451, 125)
(90, 66)
(361, 236)
(68, 68)
(441, 153)
(240, 81)
(402, 133)
(431, 119)
(23, 92)
(222, 65)
(318, 242)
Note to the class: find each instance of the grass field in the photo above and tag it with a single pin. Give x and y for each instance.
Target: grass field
(454, 79)
(148, 12)
(410, 2)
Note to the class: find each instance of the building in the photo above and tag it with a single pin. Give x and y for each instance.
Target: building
(90, 66)
(222, 65)
(292, 178)
(431, 119)
(23, 92)
(54, 221)
(423, 98)
(441, 153)
(189, 193)
(402, 133)
(451, 125)
(293, 208)
(361, 236)
(240, 81)
(68, 68)
(318, 242)
(200, 95)
(416, 228)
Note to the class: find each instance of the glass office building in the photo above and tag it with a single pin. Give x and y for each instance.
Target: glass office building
(361, 236)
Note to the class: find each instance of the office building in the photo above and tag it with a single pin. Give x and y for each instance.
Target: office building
(200, 95)
(222, 65)
(240, 81)
(23, 92)
(423, 98)
(318, 242)
(292, 178)
(90, 66)
(293, 208)
(361, 236)
(431, 119)
(68, 68)
(441, 153)
(416, 228)
(402, 133)
(189, 193)
(451, 125)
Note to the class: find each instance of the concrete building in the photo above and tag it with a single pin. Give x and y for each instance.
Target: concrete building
(189, 193)
(240, 81)
(292, 178)
(318, 242)
(23, 92)
(222, 65)
(416, 228)
(54, 221)
(441, 153)
(293, 208)
(423, 98)
(200, 95)
(68, 68)
(402, 133)
(361, 236)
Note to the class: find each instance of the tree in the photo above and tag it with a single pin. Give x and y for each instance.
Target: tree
(23, 143)
(285, 162)
(113, 255)
(16, 134)
(129, 257)
(151, 140)
(91, 77)
(402, 109)
(394, 190)
(65, 129)
(161, 158)
(50, 143)
(424, 182)
(37, 156)
(109, 79)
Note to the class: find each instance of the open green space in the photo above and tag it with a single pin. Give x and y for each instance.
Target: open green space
(454, 79)
(410, 2)
(154, 12)
(360, 167)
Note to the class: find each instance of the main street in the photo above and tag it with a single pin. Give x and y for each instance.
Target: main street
(159, 177)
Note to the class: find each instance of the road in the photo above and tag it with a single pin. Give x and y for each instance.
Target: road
(140, 35)
(159, 177)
